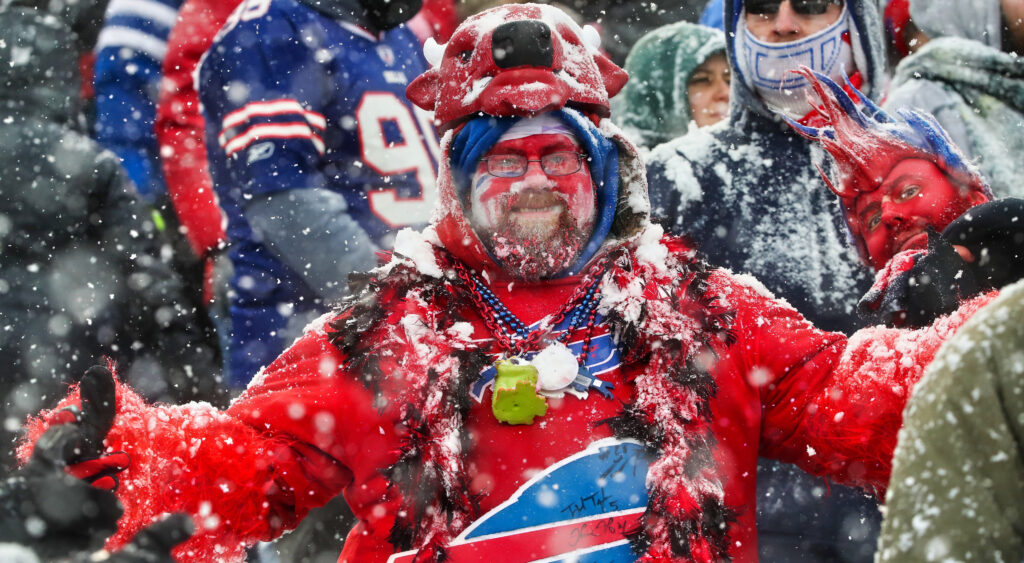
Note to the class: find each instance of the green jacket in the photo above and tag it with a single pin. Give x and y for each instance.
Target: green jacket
(957, 486)
(654, 107)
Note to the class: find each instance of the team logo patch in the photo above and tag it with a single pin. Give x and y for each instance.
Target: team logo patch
(386, 54)
(259, 152)
(576, 511)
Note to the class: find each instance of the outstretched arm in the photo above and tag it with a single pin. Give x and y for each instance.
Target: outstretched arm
(240, 472)
(832, 405)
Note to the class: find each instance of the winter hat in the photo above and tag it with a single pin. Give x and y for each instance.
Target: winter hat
(655, 105)
(866, 145)
(477, 137)
(516, 60)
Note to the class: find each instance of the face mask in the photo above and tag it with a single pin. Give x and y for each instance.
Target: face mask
(765, 66)
(388, 14)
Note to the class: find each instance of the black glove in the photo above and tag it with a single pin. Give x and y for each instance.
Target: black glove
(44, 507)
(152, 544)
(77, 444)
(994, 233)
(938, 283)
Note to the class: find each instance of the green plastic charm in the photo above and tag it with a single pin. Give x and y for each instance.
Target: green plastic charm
(514, 398)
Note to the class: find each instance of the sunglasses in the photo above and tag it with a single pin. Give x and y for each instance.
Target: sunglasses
(802, 7)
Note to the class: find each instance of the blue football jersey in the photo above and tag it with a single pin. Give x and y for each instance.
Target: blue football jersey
(294, 99)
(129, 51)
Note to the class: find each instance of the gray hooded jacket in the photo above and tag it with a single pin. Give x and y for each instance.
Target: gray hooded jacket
(974, 89)
(747, 191)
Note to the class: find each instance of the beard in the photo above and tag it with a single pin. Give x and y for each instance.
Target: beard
(533, 252)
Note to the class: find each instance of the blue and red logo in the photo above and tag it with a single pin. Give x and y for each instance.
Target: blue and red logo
(576, 511)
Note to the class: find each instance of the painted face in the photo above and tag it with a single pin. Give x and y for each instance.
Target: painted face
(708, 91)
(915, 195)
(535, 223)
(780, 22)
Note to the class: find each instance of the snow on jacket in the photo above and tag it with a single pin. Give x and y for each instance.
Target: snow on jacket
(957, 490)
(129, 53)
(333, 412)
(180, 127)
(81, 270)
(747, 191)
(973, 88)
(654, 106)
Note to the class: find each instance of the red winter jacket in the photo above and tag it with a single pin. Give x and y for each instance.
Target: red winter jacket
(308, 429)
(310, 425)
(180, 128)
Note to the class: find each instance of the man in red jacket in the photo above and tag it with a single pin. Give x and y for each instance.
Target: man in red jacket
(539, 374)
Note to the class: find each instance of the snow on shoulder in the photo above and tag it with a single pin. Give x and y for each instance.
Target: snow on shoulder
(418, 247)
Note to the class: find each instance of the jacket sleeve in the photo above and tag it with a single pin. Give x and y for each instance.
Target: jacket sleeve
(263, 96)
(299, 225)
(960, 451)
(831, 404)
(246, 474)
(180, 126)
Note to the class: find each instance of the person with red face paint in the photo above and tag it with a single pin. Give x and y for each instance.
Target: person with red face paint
(901, 182)
(541, 374)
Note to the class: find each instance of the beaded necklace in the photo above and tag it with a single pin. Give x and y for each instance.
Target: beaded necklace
(513, 336)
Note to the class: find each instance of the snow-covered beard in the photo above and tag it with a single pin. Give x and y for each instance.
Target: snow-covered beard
(536, 250)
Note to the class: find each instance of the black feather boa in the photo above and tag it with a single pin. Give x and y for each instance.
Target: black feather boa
(662, 317)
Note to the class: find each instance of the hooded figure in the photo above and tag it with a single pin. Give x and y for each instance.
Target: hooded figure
(477, 402)
(969, 78)
(901, 182)
(746, 189)
(654, 107)
(81, 267)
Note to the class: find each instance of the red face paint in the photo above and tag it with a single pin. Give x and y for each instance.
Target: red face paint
(913, 196)
(535, 224)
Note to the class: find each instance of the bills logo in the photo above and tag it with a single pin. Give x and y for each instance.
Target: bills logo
(576, 511)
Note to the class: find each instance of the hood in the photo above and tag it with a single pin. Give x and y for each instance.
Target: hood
(869, 55)
(623, 206)
(968, 68)
(978, 20)
(655, 105)
(38, 65)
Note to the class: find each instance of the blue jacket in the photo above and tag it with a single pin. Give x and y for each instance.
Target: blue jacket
(317, 159)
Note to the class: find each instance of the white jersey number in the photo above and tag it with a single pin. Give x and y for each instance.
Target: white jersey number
(388, 159)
